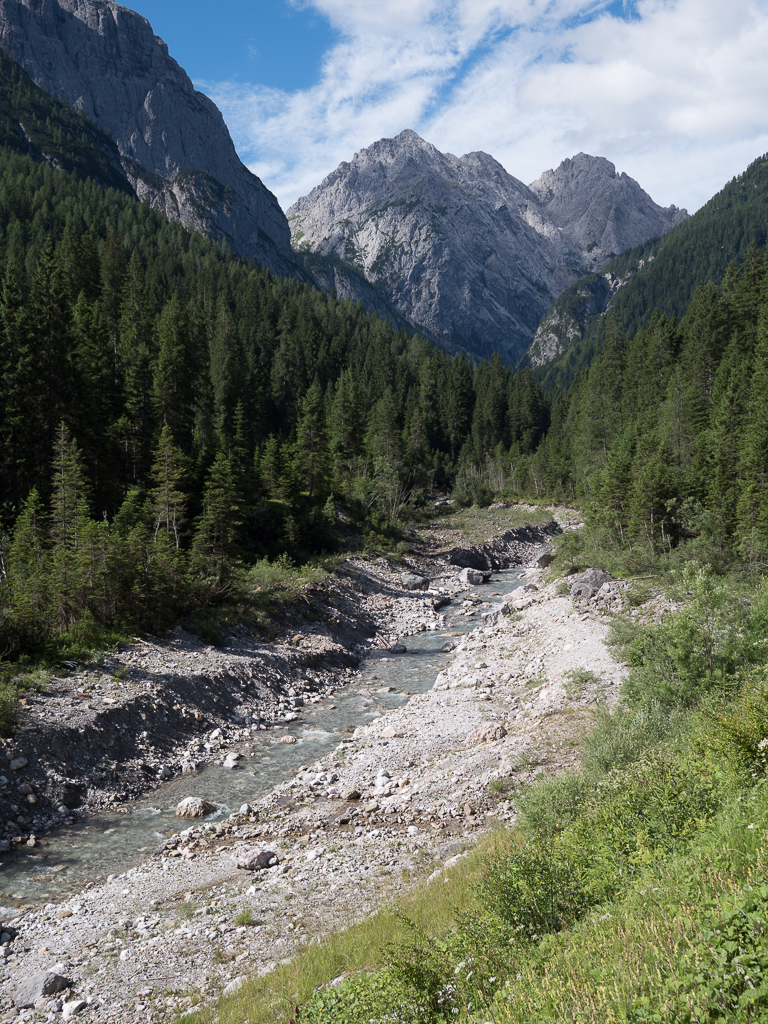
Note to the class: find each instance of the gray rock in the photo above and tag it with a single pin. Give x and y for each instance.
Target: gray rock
(440, 602)
(18, 763)
(460, 246)
(410, 581)
(176, 151)
(351, 794)
(587, 584)
(250, 858)
(497, 615)
(29, 990)
(398, 649)
(72, 1007)
(447, 647)
(473, 577)
(194, 807)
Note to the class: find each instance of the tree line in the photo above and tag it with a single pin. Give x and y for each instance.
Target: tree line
(171, 411)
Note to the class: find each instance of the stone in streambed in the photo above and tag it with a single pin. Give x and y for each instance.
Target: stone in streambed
(473, 577)
(410, 581)
(194, 807)
(72, 1007)
(485, 733)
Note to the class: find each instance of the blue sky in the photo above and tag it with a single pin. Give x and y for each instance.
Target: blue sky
(674, 92)
(267, 41)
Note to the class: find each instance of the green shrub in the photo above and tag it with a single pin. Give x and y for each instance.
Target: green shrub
(701, 647)
(621, 736)
(740, 730)
(536, 890)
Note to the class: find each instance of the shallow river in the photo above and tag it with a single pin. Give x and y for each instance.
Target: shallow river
(111, 842)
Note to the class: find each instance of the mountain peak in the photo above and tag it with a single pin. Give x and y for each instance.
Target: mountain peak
(462, 248)
(598, 210)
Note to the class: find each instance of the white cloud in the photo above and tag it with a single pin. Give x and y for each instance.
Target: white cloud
(675, 93)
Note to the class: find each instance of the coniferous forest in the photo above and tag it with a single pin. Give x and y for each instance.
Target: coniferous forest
(172, 412)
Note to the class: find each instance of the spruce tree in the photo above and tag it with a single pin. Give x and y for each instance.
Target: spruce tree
(169, 501)
(217, 534)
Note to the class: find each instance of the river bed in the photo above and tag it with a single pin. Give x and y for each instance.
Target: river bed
(110, 842)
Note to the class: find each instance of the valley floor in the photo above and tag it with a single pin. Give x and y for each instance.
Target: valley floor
(396, 805)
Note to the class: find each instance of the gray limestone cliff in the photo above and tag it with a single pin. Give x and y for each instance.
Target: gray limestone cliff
(176, 151)
(600, 212)
(462, 248)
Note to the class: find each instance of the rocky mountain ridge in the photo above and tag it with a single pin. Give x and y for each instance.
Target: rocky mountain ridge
(176, 152)
(463, 249)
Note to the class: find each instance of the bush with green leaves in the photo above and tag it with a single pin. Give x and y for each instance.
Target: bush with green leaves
(719, 631)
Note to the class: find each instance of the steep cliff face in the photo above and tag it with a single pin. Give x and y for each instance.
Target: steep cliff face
(600, 212)
(461, 247)
(176, 151)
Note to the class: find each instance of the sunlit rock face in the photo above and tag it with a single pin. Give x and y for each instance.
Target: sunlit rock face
(462, 248)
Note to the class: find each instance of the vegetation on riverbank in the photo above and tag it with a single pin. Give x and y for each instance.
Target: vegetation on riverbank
(633, 890)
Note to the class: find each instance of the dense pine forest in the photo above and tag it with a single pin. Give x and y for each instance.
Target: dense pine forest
(665, 437)
(171, 411)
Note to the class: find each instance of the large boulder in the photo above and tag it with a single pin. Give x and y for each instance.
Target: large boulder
(194, 807)
(29, 990)
(410, 581)
(251, 858)
(473, 577)
(586, 585)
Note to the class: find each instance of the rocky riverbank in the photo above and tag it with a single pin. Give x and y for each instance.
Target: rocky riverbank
(397, 802)
(104, 733)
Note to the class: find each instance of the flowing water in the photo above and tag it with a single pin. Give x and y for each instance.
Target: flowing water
(110, 842)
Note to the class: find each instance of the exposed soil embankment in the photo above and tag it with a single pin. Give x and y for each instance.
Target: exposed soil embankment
(506, 551)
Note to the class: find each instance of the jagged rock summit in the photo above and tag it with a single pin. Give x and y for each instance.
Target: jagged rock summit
(600, 212)
(176, 151)
(463, 249)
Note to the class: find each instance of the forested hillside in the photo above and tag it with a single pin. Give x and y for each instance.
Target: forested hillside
(661, 275)
(665, 436)
(169, 410)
